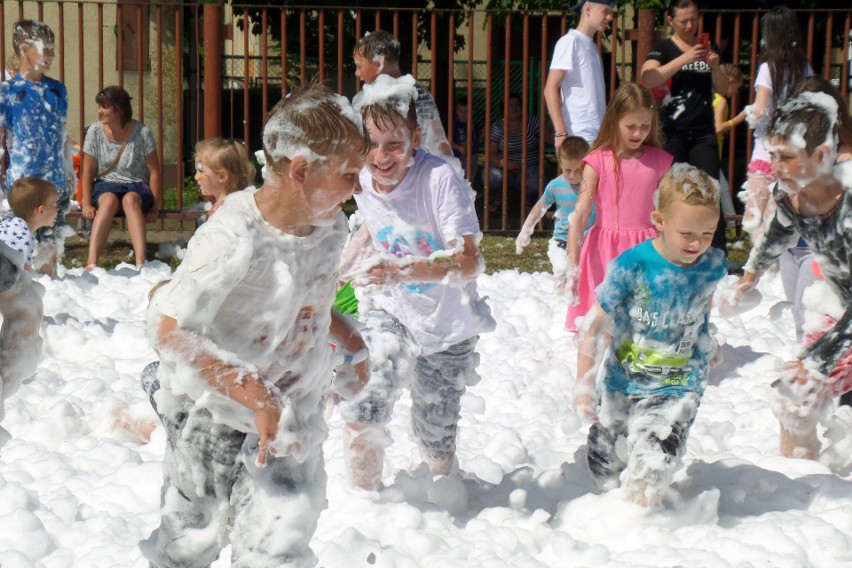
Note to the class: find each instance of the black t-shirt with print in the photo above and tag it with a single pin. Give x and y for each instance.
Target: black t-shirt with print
(691, 103)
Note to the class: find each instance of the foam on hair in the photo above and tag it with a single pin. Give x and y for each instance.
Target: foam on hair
(687, 184)
(314, 122)
(806, 121)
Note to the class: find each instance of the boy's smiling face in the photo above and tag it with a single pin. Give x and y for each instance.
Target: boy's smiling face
(685, 231)
(391, 150)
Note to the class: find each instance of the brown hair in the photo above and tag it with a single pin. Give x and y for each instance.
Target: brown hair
(116, 98)
(378, 44)
(24, 32)
(572, 148)
(676, 5)
(385, 114)
(802, 117)
(686, 184)
(733, 72)
(817, 84)
(227, 156)
(314, 121)
(27, 194)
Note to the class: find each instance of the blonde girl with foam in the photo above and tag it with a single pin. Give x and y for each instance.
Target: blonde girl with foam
(221, 168)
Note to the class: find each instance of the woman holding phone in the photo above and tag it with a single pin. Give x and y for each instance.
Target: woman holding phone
(687, 112)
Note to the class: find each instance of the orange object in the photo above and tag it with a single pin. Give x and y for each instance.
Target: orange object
(77, 159)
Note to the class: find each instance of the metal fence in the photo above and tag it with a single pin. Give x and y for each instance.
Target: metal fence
(156, 50)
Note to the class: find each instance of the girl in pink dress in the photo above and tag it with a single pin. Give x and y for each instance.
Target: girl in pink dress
(620, 175)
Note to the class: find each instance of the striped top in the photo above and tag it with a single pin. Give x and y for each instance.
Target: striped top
(516, 141)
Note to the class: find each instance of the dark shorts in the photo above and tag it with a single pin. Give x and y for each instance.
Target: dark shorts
(121, 189)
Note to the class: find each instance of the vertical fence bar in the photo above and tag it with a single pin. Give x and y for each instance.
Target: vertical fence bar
(40, 6)
(433, 38)
(321, 39)
(414, 45)
(396, 23)
(542, 110)
(264, 48)
(489, 35)
(844, 69)
(612, 56)
(525, 102)
(829, 28)
(471, 131)
(451, 83)
(100, 47)
(811, 21)
(755, 26)
(283, 51)
(61, 37)
(377, 20)
(340, 51)
(732, 139)
(159, 20)
(303, 51)
(358, 37)
(140, 71)
(246, 75)
(81, 83)
(504, 213)
(179, 98)
(119, 16)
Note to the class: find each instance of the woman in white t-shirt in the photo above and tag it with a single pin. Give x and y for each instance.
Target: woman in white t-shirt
(783, 64)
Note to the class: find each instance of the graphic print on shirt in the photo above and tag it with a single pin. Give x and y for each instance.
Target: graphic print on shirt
(398, 245)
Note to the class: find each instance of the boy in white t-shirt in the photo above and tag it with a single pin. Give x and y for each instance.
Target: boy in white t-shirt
(418, 258)
(577, 72)
(243, 330)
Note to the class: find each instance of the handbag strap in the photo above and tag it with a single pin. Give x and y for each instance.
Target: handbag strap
(118, 155)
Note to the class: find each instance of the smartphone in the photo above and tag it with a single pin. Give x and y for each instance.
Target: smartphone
(703, 40)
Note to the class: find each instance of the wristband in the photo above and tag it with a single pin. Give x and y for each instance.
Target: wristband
(731, 123)
(357, 357)
(560, 134)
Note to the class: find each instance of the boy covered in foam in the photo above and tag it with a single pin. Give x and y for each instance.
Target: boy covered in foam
(655, 303)
(417, 256)
(243, 330)
(33, 202)
(814, 200)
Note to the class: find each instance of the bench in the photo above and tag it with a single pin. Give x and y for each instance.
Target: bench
(164, 214)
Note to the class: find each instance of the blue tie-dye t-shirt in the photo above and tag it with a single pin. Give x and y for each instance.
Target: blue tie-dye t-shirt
(34, 115)
(660, 311)
(564, 195)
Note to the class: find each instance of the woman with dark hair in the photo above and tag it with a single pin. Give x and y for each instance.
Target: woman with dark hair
(784, 62)
(514, 143)
(687, 114)
(120, 173)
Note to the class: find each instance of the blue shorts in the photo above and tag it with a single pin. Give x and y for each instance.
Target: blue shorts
(121, 189)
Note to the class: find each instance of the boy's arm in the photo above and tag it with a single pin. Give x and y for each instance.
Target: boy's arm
(345, 335)
(247, 389)
(465, 265)
(835, 344)
(554, 103)
(596, 322)
(536, 213)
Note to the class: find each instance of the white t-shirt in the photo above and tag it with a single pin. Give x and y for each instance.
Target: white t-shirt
(431, 210)
(583, 89)
(261, 300)
(764, 79)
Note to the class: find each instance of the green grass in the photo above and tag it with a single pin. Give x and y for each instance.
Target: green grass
(498, 250)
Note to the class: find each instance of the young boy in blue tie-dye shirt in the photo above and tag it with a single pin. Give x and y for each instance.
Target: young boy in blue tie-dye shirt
(561, 191)
(655, 304)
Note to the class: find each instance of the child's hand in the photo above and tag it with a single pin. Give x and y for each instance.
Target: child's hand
(799, 384)
(266, 420)
(734, 299)
(585, 404)
(522, 240)
(713, 59)
(572, 285)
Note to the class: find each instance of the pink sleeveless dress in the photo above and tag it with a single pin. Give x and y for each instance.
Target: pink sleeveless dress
(623, 216)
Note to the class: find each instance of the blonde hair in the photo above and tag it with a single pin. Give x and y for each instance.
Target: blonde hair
(686, 184)
(227, 156)
(312, 121)
(28, 194)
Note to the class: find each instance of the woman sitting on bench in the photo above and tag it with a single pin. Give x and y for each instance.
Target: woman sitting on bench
(120, 174)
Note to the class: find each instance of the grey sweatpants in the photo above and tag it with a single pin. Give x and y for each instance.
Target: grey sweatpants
(214, 494)
(437, 382)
